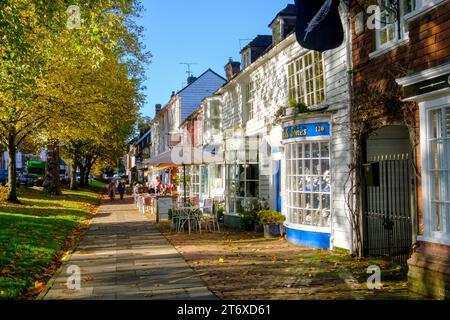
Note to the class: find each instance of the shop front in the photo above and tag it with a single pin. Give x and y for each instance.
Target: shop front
(242, 176)
(307, 183)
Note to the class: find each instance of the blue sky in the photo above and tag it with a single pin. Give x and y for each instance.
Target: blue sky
(206, 32)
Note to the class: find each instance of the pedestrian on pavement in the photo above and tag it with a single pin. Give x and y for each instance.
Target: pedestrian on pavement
(121, 189)
(112, 190)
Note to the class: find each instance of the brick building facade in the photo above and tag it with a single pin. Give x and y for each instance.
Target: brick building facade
(401, 74)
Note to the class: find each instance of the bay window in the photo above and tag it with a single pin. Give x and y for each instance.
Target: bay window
(308, 183)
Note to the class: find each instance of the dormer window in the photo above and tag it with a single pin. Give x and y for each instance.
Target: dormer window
(277, 31)
(247, 58)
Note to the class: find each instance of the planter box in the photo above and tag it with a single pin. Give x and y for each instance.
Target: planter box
(291, 111)
(259, 228)
(273, 231)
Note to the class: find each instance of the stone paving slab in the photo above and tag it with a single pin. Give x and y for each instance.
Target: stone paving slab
(123, 257)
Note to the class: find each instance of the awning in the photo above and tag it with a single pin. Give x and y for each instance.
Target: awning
(159, 168)
(187, 155)
(162, 159)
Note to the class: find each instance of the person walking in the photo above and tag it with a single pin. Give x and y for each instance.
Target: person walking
(121, 189)
(112, 190)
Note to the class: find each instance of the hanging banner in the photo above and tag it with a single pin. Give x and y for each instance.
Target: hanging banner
(319, 26)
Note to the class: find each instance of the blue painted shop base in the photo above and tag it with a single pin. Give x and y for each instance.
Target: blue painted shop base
(308, 238)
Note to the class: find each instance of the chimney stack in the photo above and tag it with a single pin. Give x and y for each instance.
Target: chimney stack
(232, 68)
(172, 95)
(158, 108)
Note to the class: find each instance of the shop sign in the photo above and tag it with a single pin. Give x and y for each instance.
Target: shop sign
(427, 86)
(306, 130)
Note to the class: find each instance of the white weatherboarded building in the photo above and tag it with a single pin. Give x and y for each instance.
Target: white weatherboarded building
(311, 149)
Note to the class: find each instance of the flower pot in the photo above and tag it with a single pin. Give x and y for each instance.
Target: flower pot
(273, 231)
(259, 228)
(291, 111)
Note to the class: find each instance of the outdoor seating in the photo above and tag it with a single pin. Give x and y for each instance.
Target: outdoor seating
(209, 216)
(186, 216)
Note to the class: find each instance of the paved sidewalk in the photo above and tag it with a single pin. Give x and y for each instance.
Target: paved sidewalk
(122, 256)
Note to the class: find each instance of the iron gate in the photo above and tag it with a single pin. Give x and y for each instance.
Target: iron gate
(389, 207)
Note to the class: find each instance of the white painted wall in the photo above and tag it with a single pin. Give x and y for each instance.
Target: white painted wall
(271, 70)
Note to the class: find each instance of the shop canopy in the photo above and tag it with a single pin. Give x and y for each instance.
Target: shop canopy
(187, 155)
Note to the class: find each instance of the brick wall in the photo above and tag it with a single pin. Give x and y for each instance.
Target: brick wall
(428, 46)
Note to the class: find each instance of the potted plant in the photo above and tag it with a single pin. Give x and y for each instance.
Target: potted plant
(272, 222)
(220, 214)
(301, 107)
(291, 109)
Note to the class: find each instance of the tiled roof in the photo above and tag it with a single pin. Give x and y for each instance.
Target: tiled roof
(261, 41)
(289, 11)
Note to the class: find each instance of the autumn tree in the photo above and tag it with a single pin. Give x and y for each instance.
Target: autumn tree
(37, 48)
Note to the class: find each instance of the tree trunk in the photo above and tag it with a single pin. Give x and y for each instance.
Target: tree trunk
(88, 173)
(73, 178)
(52, 183)
(12, 173)
(82, 175)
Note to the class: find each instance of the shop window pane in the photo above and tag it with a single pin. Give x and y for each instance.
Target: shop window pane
(325, 150)
(296, 202)
(315, 167)
(252, 189)
(326, 202)
(326, 218)
(316, 184)
(241, 189)
(315, 150)
(301, 217)
(316, 218)
(307, 167)
(301, 184)
(299, 151)
(307, 147)
(253, 172)
(316, 201)
(307, 217)
(327, 185)
(325, 166)
(308, 201)
(302, 200)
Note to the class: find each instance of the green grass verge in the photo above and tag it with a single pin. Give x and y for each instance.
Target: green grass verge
(97, 186)
(34, 234)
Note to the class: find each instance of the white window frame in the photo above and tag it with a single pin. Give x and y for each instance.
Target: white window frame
(422, 7)
(299, 74)
(195, 181)
(247, 57)
(199, 130)
(214, 131)
(244, 152)
(250, 91)
(399, 35)
(293, 175)
(232, 198)
(430, 235)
